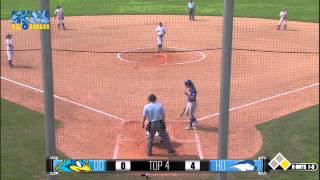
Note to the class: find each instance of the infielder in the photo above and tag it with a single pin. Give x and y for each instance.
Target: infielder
(191, 8)
(189, 110)
(283, 18)
(156, 115)
(9, 44)
(60, 17)
(161, 31)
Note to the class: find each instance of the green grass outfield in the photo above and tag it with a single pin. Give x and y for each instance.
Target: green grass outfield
(299, 10)
(22, 146)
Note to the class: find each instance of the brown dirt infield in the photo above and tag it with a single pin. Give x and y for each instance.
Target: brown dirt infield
(91, 88)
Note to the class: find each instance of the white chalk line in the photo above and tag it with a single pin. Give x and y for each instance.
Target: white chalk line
(203, 56)
(116, 148)
(64, 99)
(118, 139)
(196, 136)
(197, 139)
(261, 100)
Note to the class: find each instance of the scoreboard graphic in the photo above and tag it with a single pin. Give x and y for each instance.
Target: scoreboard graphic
(30, 19)
(261, 166)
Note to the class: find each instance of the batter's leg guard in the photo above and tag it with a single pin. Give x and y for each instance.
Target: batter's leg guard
(194, 122)
(10, 63)
(191, 121)
(63, 27)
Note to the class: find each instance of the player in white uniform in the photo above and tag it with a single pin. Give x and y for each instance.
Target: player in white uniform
(9, 44)
(60, 17)
(191, 8)
(161, 31)
(283, 18)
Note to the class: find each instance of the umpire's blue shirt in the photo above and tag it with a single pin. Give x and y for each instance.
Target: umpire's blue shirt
(153, 111)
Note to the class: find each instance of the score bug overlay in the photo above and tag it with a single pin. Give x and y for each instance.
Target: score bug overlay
(30, 19)
(281, 163)
(262, 165)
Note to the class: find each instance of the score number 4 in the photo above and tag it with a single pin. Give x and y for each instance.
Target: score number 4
(192, 165)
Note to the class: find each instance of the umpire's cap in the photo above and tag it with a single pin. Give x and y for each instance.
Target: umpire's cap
(188, 83)
(152, 98)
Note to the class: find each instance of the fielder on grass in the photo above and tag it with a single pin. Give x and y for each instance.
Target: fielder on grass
(283, 19)
(60, 17)
(191, 9)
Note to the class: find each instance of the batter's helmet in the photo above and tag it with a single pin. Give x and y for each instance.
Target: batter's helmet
(188, 83)
(9, 36)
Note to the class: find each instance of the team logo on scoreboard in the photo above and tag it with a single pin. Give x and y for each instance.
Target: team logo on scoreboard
(246, 165)
(73, 166)
(25, 19)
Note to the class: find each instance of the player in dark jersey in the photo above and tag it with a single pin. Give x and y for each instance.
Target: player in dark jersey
(191, 93)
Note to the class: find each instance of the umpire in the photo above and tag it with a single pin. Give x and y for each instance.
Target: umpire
(156, 115)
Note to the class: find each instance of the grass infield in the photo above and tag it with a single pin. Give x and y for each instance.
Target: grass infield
(299, 10)
(22, 146)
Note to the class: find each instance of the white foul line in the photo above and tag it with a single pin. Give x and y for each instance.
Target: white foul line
(262, 100)
(116, 148)
(196, 136)
(197, 139)
(63, 99)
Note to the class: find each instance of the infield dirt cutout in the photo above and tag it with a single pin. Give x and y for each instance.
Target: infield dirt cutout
(99, 97)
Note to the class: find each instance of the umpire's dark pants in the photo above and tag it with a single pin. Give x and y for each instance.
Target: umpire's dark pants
(161, 128)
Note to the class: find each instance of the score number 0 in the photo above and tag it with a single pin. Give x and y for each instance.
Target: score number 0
(123, 165)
